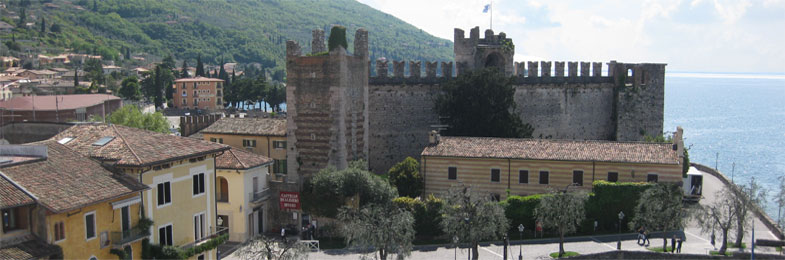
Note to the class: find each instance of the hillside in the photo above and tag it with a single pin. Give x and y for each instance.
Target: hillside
(243, 31)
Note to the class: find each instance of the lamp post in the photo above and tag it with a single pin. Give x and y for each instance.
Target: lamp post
(520, 246)
(618, 244)
(468, 228)
(455, 241)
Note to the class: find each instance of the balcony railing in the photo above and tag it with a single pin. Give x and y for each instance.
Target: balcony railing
(120, 238)
(259, 196)
(213, 232)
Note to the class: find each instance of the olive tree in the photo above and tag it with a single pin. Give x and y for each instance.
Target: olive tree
(386, 228)
(747, 196)
(563, 211)
(472, 217)
(330, 188)
(719, 215)
(267, 248)
(660, 209)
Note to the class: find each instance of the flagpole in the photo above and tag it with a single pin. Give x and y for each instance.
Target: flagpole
(491, 14)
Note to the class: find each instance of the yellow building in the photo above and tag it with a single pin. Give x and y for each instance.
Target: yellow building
(242, 193)
(198, 93)
(532, 166)
(180, 172)
(265, 136)
(57, 203)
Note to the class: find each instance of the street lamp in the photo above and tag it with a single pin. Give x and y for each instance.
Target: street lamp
(618, 244)
(468, 229)
(455, 241)
(520, 246)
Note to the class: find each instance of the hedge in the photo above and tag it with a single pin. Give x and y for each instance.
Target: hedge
(520, 210)
(427, 214)
(609, 198)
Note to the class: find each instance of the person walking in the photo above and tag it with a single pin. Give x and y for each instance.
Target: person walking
(283, 234)
(646, 237)
(641, 237)
(678, 245)
(673, 243)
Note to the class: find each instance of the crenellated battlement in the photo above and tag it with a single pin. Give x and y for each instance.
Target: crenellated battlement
(410, 72)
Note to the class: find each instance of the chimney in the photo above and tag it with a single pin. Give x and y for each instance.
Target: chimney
(678, 143)
(433, 137)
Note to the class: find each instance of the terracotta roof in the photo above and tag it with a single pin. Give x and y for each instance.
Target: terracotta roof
(238, 159)
(198, 79)
(64, 102)
(66, 180)
(134, 147)
(33, 248)
(556, 150)
(248, 126)
(11, 196)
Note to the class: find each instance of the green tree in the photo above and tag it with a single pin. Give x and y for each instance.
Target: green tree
(129, 88)
(95, 70)
(276, 95)
(427, 214)
(22, 18)
(660, 209)
(131, 116)
(330, 188)
(719, 215)
(747, 197)
(55, 28)
(263, 247)
(472, 217)
(168, 62)
(184, 71)
(43, 25)
(563, 211)
(76, 77)
(405, 176)
(480, 103)
(779, 198)
(199, 66)
(337, 38)
(386, 228)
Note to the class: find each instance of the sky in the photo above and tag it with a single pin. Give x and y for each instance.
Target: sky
(720, 36)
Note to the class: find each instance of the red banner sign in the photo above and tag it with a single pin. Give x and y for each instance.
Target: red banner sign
(289, 200)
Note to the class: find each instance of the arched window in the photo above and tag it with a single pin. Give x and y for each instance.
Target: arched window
(223, 190)
(495, 60)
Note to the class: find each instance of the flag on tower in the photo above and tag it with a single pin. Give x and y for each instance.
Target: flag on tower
(487, 7)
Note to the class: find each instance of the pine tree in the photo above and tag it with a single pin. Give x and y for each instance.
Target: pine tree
(184, 72)
(199, 66)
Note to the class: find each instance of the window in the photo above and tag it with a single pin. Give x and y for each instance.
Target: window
(199, 226)
(129, 253)
(652, 177)
(222, 195)
(495, 175)
(198, 184)
(452, 173)
(165, 235)
(223, 221)
(65, 140)
(249, 143)
(544, 177)
(164, 193)
(577, 178)
(279, 166)
(255, 184)
(103, 141)
(10, 218)
(185, 94)
(200, 257)
(213, 139)
(89, 224)
(279, 144)
(613, 176)
(59, 231)
(194, 85)
(523, 176)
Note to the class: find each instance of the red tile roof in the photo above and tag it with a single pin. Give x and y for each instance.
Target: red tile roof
(248, 126)
(64, 102)
(555, 150)
(133, 146)
(197, 79)
(66, 180)
(31, 248)
(237, 159)
(11, 196)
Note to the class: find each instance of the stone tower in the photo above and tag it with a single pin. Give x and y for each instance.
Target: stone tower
(475, 52)
(326, 98)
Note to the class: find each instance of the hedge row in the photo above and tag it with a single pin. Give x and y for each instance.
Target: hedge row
(427, 214)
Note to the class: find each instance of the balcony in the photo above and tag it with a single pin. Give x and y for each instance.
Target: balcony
(212, 233)
(259, 196)
(120, 238)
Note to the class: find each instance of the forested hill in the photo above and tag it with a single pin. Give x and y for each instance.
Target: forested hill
(242, 31)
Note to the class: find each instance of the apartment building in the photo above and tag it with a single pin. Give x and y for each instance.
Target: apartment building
(532, 166)
(264, 136)
(180, 171)
(198, 93)
(57, 203)
(242, 193)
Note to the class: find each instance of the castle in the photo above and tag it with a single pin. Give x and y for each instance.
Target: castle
(338, 112)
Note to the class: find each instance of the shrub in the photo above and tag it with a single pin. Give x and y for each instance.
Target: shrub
(427, 214)
(337, 38)
(520, 210)
(609, 198)
(406, 177)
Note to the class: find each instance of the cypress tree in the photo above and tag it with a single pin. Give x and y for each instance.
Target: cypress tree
(184, 72)
(199, 66)
(222, 72)
(76, 78)
(43, 25)
(337, 38)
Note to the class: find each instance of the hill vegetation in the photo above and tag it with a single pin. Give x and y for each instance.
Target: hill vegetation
(243, 31)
